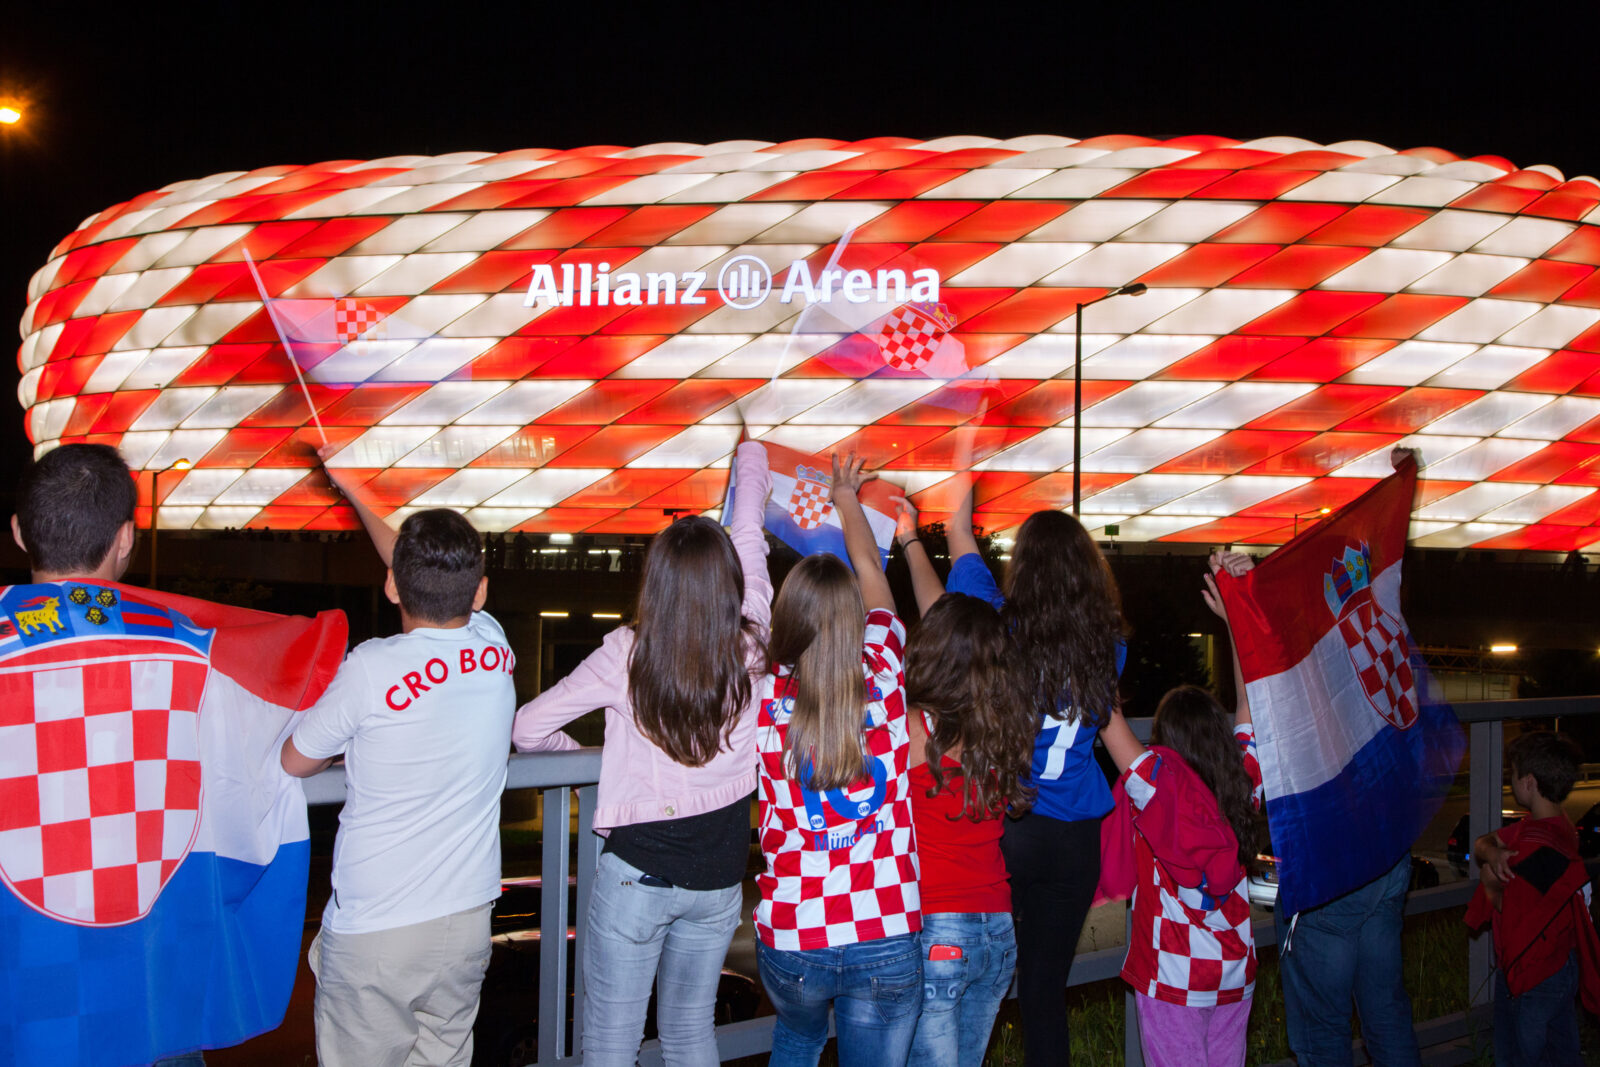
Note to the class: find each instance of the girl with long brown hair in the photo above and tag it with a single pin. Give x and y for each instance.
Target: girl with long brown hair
(972, 731)
(1061, 608)
(676, 775)
(839, 913)
(1187, 806)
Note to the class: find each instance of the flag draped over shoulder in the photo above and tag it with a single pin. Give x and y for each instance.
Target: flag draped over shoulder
(154, 854)
(1355, 756)
(800, 514)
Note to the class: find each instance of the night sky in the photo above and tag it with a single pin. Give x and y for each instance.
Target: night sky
(121, 104)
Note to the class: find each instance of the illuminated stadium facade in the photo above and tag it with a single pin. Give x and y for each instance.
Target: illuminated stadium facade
(570, 341)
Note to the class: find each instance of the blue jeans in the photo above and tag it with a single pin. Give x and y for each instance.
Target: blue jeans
(874, 988)
(639, 935)
(961, 996)
(1348, 951)
(1539, 1028)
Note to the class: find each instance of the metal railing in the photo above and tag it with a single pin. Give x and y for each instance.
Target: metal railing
(559, 775)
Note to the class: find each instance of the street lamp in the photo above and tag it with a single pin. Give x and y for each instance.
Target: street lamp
(1303, 514)
(9, 115)
(1135, 289)
(155, 514)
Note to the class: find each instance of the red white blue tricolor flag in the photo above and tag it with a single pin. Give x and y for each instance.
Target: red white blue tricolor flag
(800, 514)
(153, 852)
(1355, 754)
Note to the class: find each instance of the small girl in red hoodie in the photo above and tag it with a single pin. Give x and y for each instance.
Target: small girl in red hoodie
(1188, 803)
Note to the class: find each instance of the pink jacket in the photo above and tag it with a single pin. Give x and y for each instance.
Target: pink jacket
(638, 781)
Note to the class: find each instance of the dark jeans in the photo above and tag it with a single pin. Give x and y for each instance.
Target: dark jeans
(873, 987)
(1348, 951)
(1539, 1028)
(1054, 867)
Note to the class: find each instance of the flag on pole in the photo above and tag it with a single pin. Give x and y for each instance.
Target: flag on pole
(1355, 750)
(154, 853)
(893, 331)
(800, 514)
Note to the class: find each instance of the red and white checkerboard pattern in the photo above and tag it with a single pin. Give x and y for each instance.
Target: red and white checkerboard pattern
(100, 797)
(1377, 645)
(1184, 947)
(809, 504)
(909, 338)
(866, 889)
(352, 319)
(1309, 306)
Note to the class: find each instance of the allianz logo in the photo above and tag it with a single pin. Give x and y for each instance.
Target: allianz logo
(745, 281)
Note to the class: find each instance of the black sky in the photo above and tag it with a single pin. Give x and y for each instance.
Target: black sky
(157, 93)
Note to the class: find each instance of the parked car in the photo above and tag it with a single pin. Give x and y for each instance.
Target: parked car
(1263, 879)
(506, 1033)
(1589, 833)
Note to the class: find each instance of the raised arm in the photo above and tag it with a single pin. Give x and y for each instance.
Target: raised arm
(924, 580)
(382, 534)
(1122, 746)
(958, 534)
(744, 530)
(858, 539)
(1236, 564)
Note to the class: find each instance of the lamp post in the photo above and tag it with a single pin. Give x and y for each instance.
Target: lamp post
(1303, 514)
(1135, 289)
(155, 513)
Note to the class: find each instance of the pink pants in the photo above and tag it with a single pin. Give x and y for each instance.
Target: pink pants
(1176, 1036)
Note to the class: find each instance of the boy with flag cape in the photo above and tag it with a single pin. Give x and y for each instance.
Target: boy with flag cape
(153, 852)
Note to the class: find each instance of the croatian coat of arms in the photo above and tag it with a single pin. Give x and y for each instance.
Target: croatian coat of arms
(1375, 639)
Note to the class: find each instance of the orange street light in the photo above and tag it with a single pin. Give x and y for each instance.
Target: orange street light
(9, 115)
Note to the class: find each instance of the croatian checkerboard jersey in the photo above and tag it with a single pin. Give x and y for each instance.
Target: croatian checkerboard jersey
(154, 853)
(841, 863)
(1189, 945)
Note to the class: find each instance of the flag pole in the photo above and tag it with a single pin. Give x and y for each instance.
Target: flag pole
(288, 349)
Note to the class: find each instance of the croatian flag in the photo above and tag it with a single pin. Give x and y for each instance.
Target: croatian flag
(800, 514)
(891, 334)
(340, 340)
(153, 852)
(1355, 752)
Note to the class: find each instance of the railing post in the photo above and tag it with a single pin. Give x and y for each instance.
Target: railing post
(1132, 1050)
(556, 811)
(1485, 798)
(588, 859)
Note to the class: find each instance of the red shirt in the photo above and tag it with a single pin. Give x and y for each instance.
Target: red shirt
(962, 868)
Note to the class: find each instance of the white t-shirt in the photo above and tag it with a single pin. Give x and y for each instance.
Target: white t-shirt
(424, 721)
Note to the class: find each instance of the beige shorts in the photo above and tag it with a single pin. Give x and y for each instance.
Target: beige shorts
(405, 997)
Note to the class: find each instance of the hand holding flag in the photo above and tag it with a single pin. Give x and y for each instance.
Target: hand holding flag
(1355, 755)
(800, 511)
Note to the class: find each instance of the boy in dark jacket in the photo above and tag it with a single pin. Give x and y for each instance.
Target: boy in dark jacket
(1534, 892)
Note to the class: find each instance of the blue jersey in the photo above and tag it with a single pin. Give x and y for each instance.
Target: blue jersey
(1070, 782)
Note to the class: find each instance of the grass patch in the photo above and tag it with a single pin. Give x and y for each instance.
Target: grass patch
(1435, 954)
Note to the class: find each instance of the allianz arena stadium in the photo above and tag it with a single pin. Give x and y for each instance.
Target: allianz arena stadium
(573, 341)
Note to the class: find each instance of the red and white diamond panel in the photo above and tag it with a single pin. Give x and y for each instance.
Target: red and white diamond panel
(569, 340)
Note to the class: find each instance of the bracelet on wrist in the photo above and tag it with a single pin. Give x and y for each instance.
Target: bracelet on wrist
(907, 543)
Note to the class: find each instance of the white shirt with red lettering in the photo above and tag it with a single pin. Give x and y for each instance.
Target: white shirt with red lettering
(424, 721)
(841, 864)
